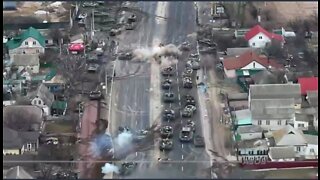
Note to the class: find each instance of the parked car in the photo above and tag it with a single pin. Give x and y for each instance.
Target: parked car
(166, 144)
(125, 56)
(95, 95)
(187, 72)
(168, 115)
(168, 97)
(185, 46)
(166, 84)
(127, 168)
(168, 71)
(189, 100)
(132, 18)
(191, 124)
(188, 111)
(166, 131)
(187, 82)
(193, 65)
(92, 67)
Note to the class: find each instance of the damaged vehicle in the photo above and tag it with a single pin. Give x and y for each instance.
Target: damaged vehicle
(189, 100)
(187, 72)
(186, 134)
(95, 95)
(198, 141)
(140, 135)
(166, 132)
(127, 168)
(168, 71)
(193, 64)
(132, 18)
(166, 84)
(125, 56)
(168, 97)
(165, 144)
(168, 115)
(191, 124)
(92, 67)
(207, 42)
(185, 46)
(187, 82)
(188, 111)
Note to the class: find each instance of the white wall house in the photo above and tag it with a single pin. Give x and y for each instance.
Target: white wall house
(253, 151)
(282, 154)
(245, 62)
(29, 42)
(258, 37)
(43, 98)
(311, 151)
(301, 121)
(260, 40)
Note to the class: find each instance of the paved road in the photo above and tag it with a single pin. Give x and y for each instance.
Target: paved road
(130, 95)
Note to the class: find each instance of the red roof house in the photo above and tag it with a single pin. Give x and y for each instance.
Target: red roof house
(259, 37)
(308, 84)
(235, 63)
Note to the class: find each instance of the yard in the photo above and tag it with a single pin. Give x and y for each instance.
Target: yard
(62, 126)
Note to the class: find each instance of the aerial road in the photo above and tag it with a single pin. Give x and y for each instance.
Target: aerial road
(168, 23)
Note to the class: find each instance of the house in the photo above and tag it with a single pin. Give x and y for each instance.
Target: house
(311, 151)
(43, 98)
(17, 172)
(312, 98)
(269, 76)
(232, 52)
(56, 84)
(290, 137)
(26, 61)
(276, 91)
(258, 37)
(253, 151)
(249, 132)
(272, 114)
(302, 121)
(242, 117)
(29, 42)
(308, 84)
(19, 142)
(282, 153)
(59, 108)
(247, 64)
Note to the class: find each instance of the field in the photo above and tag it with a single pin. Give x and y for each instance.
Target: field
(286, 11)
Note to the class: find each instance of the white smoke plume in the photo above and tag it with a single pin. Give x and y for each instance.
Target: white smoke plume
(145, 54)
(124, 139)
(110, 168)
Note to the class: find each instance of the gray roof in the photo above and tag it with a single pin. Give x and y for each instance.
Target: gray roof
(242, 114)
(15, 139)
(249, 129)
(25, 60)
(275, 91)
(289, 136)
(238, 51)
(44, 93)
(282, 152)
(17, 173)
(269, 77)
(311, 139)
(303, 117)
(312, 97)
(272, 108)
(253, 143)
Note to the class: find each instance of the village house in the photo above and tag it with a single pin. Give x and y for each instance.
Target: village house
(253, 151)
(302, 121)
(247, 64)
(258, 37)
(29, 42)
(311, 151)
(290, 137)
(20, 142)
(242, 117)
(43, 98)
(30, 62)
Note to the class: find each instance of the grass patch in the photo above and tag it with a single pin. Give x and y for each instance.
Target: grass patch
(60, 127)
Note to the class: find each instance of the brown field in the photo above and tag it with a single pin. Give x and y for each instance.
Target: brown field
(286, 11)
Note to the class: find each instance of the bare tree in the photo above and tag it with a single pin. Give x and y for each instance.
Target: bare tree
(19, 120)
(46, 171)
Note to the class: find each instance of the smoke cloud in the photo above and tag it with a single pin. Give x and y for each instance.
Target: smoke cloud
(101, 145)
(110, 168)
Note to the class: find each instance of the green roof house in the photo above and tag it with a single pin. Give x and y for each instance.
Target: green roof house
(29, 42)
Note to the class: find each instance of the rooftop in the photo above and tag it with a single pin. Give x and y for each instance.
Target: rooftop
(246, 58)
(249, 129)
(25, 59)
(253, 143)
(282, 152)
(312, 97)
(258, 29)
(288, 136)
(31, 32)
(311, 139)
(308, 84)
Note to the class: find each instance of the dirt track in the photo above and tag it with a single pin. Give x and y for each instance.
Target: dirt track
(286, 11)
